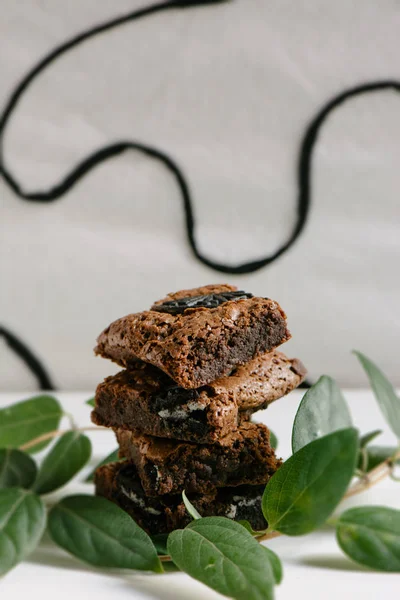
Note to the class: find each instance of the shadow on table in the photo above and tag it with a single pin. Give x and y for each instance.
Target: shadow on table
(156, 588)
(149, 584)
(330, 561)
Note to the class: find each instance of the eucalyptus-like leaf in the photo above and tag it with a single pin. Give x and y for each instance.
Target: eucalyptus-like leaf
(193, 512)
(306, 489)
(384, 392)
(91, 402)
(249, 528)
(22, 422)
(367, 438)
(322, 410)
(22, 523)
(17, 469)
(370, 535)
(223, 555)
(276, 564)
(160, 542)
(378, 454)
(273, 440)
(101, 534)
(112, 457)
(63, 462)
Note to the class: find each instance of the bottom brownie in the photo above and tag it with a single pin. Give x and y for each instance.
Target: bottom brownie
(120, 483)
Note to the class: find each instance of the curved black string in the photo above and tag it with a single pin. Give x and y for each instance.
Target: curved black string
(20, 348)
(311, 135)
(27, 356)
(93, 160)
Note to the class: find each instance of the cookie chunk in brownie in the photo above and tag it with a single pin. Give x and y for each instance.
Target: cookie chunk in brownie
(169, 467)
(120, 483)
(146, 399)
(157, 406)
(197, 336)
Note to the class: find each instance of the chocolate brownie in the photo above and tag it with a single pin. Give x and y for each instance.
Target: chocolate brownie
(169, 467)
(259, 382)
(197, 336)
(146, 399)
(120, 483)
(129, 402)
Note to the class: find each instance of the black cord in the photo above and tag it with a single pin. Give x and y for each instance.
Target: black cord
(93, 160)
(15, 344)
(31, 361)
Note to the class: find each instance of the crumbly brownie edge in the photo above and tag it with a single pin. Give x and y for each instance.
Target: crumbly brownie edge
(262, 380)
(213, 436)
(155, 516)
(235, 349)
(199, 346)
(168, 467)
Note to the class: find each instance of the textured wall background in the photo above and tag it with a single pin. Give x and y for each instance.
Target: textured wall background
(228, 91)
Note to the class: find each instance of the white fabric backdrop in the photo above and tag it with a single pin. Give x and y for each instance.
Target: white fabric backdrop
(227, 90)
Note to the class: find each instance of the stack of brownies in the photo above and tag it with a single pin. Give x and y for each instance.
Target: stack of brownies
(197, 365)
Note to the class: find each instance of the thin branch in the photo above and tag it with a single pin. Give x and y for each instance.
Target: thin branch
(364, 460)
(372, 478)
(56, 433)
(381, 471)
(165, 558)
(375, 476)
(268, 536)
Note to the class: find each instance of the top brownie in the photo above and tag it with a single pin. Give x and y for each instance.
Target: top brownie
(198, 335)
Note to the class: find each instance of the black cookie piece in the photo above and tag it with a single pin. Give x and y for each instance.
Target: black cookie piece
(175, 307)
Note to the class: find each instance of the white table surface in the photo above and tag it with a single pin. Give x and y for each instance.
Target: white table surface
(314, 566)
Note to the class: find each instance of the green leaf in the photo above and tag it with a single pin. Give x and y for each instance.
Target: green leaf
(102, 534)
(322, 410)
(276, 564)
(273, 440)
(249, 528)
(223, 555)
(369, 437)
(91, 402)
(112, 457)
(160, 543)
(306, 489)
(27, 420)
(370, 535)
(377, 454)
(190, 508)
(65, 459)
(384, 393)
(22, 523)
(17, 469)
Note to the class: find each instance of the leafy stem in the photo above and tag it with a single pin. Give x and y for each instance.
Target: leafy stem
(377, 474)
(56, 433)
(71, 419)
(328, 453)
(380, 472)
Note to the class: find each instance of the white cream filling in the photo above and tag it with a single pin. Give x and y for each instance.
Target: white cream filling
(140, 502)
(246, 501)
(240, 501)
(231, 512)
(181, 413)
